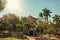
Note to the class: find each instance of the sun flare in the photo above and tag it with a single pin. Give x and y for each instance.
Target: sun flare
(12, 5)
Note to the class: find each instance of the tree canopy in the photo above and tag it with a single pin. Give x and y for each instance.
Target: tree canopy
(2, 4)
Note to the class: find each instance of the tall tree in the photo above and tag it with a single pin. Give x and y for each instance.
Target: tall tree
(40, 14)
(29, 25)
(19, 27)
(40, 18)
(46, 13)
(56, 19)
(11, 19)
(2, 4)
(4, 25)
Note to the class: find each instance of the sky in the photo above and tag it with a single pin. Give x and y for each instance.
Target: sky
(31, 7)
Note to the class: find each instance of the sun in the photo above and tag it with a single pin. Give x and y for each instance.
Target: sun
(12, 5)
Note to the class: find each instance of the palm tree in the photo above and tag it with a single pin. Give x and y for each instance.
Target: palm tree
(40, 14)
(46, 13)
(40, 17)
(56, 19)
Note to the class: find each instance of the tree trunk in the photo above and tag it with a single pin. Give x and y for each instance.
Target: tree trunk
(46, 19)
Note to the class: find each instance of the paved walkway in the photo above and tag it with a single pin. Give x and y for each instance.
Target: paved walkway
(54, 38)
(39, 38)
(33, 38)
(30, 38)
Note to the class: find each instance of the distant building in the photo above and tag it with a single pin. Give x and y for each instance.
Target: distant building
(31, 31)
(29, 19)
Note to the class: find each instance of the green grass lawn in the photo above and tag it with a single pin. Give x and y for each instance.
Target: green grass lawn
(11, 39)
